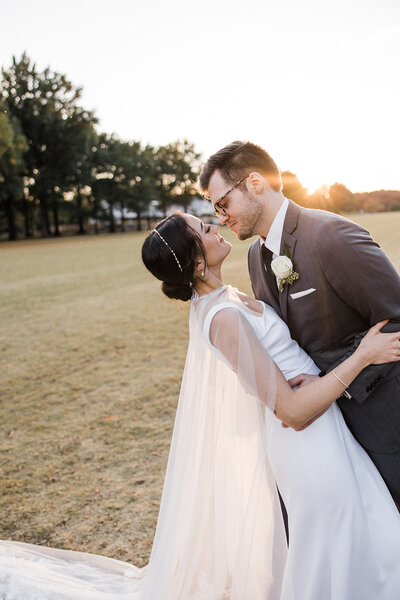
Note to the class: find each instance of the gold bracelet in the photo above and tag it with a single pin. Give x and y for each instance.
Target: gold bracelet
(338, 378)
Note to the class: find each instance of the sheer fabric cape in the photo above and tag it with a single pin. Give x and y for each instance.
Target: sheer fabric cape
(219, 533)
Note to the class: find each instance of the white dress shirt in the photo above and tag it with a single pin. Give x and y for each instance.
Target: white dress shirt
(274, 237)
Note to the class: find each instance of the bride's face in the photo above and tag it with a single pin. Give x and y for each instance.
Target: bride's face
(216, 248)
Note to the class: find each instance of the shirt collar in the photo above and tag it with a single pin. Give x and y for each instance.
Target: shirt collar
(274, 237)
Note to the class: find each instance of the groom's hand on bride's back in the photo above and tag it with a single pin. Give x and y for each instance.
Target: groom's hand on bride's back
(300, 381)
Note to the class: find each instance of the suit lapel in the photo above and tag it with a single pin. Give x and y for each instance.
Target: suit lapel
(268, 276)
(288, 242)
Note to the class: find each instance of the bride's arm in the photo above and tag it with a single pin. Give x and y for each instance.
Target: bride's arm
(234, 337)
(369, 378)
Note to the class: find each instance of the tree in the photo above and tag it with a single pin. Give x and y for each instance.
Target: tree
(13, 146)
(320, 198)
(130, 176)
(55, 126)
(140, 178)
(80, 183)
(177, 167)
(293, 189)
(341, 199)
(107, 176)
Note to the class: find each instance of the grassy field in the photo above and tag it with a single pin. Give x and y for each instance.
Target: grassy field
(91, 355)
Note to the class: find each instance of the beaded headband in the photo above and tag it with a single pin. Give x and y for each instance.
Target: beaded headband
(168, 246)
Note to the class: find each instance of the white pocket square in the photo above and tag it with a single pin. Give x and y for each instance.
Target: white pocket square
(301, 294)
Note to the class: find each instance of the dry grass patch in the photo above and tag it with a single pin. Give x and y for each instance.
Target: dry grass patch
(91, 356)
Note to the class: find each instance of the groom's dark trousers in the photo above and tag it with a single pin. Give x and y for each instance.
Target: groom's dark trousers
(349, 284)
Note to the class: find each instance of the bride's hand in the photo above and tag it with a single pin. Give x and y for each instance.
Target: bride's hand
(379, 348)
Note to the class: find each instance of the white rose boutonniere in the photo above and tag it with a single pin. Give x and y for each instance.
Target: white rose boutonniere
(282, 268)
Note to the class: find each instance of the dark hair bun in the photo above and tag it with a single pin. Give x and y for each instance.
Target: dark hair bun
(177, 291)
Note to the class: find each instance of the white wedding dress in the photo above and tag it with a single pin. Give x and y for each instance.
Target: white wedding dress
(219, 534)
(344, 528)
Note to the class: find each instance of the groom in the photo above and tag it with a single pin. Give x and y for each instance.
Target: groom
(346, 284)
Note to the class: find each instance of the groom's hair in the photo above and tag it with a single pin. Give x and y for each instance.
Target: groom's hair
(238, 160)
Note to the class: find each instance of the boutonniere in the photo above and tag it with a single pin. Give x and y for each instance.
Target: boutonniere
(283, 269)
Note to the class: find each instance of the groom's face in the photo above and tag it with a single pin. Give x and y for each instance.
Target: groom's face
(243, 210)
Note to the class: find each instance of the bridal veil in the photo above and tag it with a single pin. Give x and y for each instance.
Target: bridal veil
(220, 534)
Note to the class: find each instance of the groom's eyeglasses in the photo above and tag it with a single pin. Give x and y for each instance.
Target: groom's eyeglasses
(220, 210)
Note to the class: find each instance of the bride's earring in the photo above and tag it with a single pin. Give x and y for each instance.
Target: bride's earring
(202, 273)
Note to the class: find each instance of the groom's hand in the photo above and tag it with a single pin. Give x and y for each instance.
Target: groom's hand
(299, 381)
(302, 379)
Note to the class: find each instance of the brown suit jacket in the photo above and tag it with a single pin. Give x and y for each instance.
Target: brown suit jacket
(356, 286)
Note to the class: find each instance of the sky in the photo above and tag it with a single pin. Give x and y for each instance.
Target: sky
(315, 82)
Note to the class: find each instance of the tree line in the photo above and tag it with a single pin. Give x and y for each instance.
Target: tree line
(56, 169)
(338, 198)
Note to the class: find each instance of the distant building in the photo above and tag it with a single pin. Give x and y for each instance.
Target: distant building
(199, 207)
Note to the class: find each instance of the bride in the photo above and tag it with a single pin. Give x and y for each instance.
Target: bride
(220, 532)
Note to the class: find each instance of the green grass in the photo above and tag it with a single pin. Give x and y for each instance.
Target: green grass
(91, 355)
